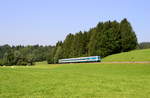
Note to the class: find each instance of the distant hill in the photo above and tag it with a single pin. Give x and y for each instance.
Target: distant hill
(144, 45)
(136, 55)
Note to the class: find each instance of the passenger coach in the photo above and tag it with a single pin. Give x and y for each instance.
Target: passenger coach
(81, 59)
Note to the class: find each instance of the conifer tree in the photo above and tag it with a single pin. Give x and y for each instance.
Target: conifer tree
(128, 37)
(67, 44)
(92, 42)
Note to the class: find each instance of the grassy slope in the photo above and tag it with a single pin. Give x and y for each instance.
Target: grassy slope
(136, 55)
(76, 81)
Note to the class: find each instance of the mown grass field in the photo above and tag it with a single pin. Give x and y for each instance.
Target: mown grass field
(93, 80)
(136, 55)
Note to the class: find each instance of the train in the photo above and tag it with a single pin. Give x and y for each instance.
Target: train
(80, 59)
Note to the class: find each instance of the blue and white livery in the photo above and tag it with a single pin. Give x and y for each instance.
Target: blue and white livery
(81, 59)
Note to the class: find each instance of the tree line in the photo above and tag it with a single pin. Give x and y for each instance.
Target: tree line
(106, 38)
(23, 55)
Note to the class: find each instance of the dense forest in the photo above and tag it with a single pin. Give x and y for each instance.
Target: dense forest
(106, 38)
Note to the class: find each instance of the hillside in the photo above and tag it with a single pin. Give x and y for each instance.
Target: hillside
(136, 55)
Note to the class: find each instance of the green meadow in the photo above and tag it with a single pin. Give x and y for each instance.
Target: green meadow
(135, 55)
(92, 80)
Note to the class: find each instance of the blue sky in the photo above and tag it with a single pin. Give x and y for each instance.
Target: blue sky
(45, 22)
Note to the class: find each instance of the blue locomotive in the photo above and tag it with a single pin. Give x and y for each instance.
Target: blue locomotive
(81, 59)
